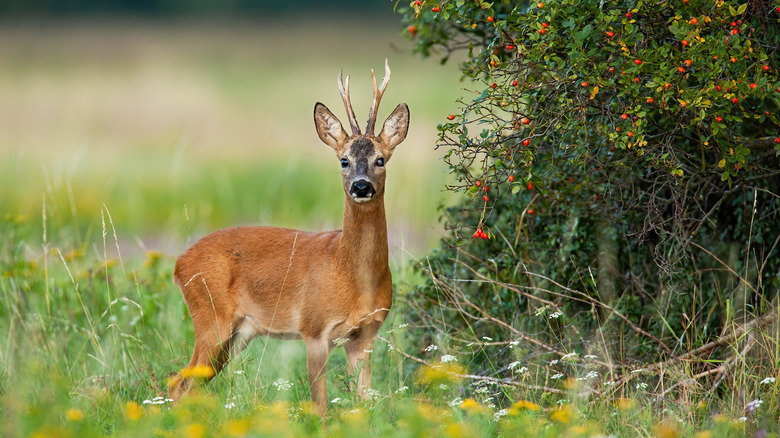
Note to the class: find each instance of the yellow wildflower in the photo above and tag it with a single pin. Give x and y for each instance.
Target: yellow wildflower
(237, 427)
(195, 430)
(133, 411)
(74, 414)
(625, 403)
(703, 434)
(525, 405)
(202, 371)
(666, 430)
(443, 373)
(562, 414)
(472, 406)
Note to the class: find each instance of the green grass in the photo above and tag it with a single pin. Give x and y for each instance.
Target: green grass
(123, 143)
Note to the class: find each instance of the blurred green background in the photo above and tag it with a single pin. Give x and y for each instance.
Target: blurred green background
(169, 119)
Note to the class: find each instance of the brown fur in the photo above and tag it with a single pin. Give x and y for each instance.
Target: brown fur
(248, 281)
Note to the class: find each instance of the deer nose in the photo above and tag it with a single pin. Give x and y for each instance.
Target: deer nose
(361, 189)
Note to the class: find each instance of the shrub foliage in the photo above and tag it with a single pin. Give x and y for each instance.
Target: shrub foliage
(621, 158)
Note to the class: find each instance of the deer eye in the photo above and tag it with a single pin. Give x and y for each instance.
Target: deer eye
(344, 163)
(380, 162)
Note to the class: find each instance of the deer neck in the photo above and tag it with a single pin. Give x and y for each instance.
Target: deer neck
(364, 243)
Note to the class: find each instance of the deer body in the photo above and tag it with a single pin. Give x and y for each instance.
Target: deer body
(243, 282)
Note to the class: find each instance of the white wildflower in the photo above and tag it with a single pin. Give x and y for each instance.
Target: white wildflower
(456, 402)
(444, 387)
(230, 405)
(239, 371)
(513, 344)
(590, 356)
(500, 413)
(340, 341)
(485, 338)
(368, 351)
(282, 384)
(767, 381)
(336, 400)
(557, 376)
(448, 358)
(404, 325)
(514, 364)
(372, 393)
(431, 348)
(742, 419)
(570, 356)
(401, 389)
(642, 385)
(754, 405)
(555, 315)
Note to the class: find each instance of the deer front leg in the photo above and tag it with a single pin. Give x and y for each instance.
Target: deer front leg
(317, 351)
(358, 352)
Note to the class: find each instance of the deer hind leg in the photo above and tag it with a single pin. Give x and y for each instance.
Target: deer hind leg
(317, 351)
(215, 345)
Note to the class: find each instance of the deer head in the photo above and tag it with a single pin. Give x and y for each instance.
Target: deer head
(362, 156)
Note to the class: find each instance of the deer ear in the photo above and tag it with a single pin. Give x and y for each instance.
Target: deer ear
(395, 128)
(328, 127)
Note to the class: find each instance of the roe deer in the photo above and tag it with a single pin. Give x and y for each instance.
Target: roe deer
(242, 282)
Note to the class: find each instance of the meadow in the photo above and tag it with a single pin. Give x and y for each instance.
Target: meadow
(124, 142)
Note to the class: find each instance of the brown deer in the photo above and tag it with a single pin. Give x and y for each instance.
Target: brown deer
(243, 282)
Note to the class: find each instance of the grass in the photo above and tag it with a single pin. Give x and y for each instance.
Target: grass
(122, 143)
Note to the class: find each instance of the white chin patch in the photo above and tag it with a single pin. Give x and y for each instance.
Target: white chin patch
(360, 200)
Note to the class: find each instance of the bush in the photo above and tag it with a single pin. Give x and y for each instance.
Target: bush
(622, 160)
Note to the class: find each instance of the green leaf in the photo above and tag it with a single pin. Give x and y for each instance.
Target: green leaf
(741, 9)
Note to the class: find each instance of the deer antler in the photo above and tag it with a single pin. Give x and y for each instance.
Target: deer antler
(377, 97)
(348, 105)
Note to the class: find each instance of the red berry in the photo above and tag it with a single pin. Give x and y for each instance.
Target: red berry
(530, 186)
(636, 80)
(478, 183)
(490, 18)
(735, 100)
(694, 20)
(733, 24)
(680, 69)
(684, 42)
(530, 211)
(510, 47)
(638, 61)
(610, 34)
(511, 178)
(717, 87)
(478, 233)
(483, 236)
(611, 69)
(544, 25)
(752, 86)
(630, 133)
(526, 142)
(486, 198)
(435, 9)
(514, 83)
(628, 14)
(494, 85)
(777, 139)
(624, 116)
(584, 83)
(650, 100)
(485, 189)
(719, 119)
(412, 30)
(526, 121)
(734, 31)
(451, 117)
(542, 31)
(766, 68)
